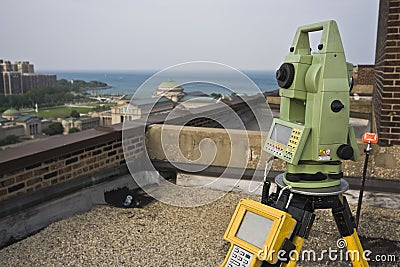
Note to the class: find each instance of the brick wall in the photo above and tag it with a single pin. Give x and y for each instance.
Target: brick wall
(69, 165)
(387, 74)
(364, 75)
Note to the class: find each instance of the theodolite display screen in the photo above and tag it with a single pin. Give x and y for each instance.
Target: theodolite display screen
(281, 133)
(286, 140)
(254, 229)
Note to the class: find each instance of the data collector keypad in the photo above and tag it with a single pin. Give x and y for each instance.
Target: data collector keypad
(239, 257)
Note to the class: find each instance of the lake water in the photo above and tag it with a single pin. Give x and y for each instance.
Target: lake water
(224, 82)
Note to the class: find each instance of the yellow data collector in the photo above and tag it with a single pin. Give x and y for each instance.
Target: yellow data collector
(256, 233)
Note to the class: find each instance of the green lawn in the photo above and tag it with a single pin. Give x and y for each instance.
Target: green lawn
(60, 112)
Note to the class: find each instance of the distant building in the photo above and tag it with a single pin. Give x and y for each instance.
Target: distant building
(170, 89)
(12, 122)
(1, 83)
(12, 83)
(105, 117)
(126, 110)
(11, 114)
(138, 108)
(195, 101)
(24, 67)
(31, 123)
(168, 95)
(19, 78)
(11, 129)
(31, 81)
(83, 123)
(6, 65)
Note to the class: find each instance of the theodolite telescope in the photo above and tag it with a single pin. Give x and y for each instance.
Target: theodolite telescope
(313, 134)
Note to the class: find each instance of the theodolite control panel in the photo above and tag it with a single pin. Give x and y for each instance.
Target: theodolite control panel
(286, 140)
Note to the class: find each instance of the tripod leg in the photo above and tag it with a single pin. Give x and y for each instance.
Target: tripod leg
(355, 250)
(347, 228)
(305, 219)
(298, 242)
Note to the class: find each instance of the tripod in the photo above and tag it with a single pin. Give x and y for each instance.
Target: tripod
(301, 204)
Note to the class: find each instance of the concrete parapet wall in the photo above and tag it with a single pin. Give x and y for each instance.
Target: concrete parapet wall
(221, 147)
(363, 89)
(383, 163)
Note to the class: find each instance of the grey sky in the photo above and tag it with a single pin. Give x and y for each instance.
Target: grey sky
(149, 34)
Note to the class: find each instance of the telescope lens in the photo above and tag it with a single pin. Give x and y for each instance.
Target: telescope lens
(285, 75)
(280, 75)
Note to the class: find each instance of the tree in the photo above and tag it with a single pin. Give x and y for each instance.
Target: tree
(75, 114)
(64, 92)
(54, 128)
(216, 95)
(10, 139)
(73, 130)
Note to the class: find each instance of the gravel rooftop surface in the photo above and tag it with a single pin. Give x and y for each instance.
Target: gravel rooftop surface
(164, 235)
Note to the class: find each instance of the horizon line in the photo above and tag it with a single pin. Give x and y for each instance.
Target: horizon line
(134, 70)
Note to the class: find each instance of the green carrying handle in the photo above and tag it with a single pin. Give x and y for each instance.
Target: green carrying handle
(330, 38)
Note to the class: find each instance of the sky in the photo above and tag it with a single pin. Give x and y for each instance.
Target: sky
(152, 35)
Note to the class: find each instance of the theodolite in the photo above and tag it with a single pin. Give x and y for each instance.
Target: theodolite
(312, 136)
(313, 133)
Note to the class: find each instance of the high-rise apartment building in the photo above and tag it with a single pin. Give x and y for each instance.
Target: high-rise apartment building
(32, 80)
(19, 78)
(24, 67)
(1, 83)
(12, 83)
(5, 65)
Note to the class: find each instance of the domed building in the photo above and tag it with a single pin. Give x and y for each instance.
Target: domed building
(168, 95)
(11, 114)
(170, 89)
(12, 122)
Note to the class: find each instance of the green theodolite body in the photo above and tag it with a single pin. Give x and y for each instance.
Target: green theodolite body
(314, 90)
